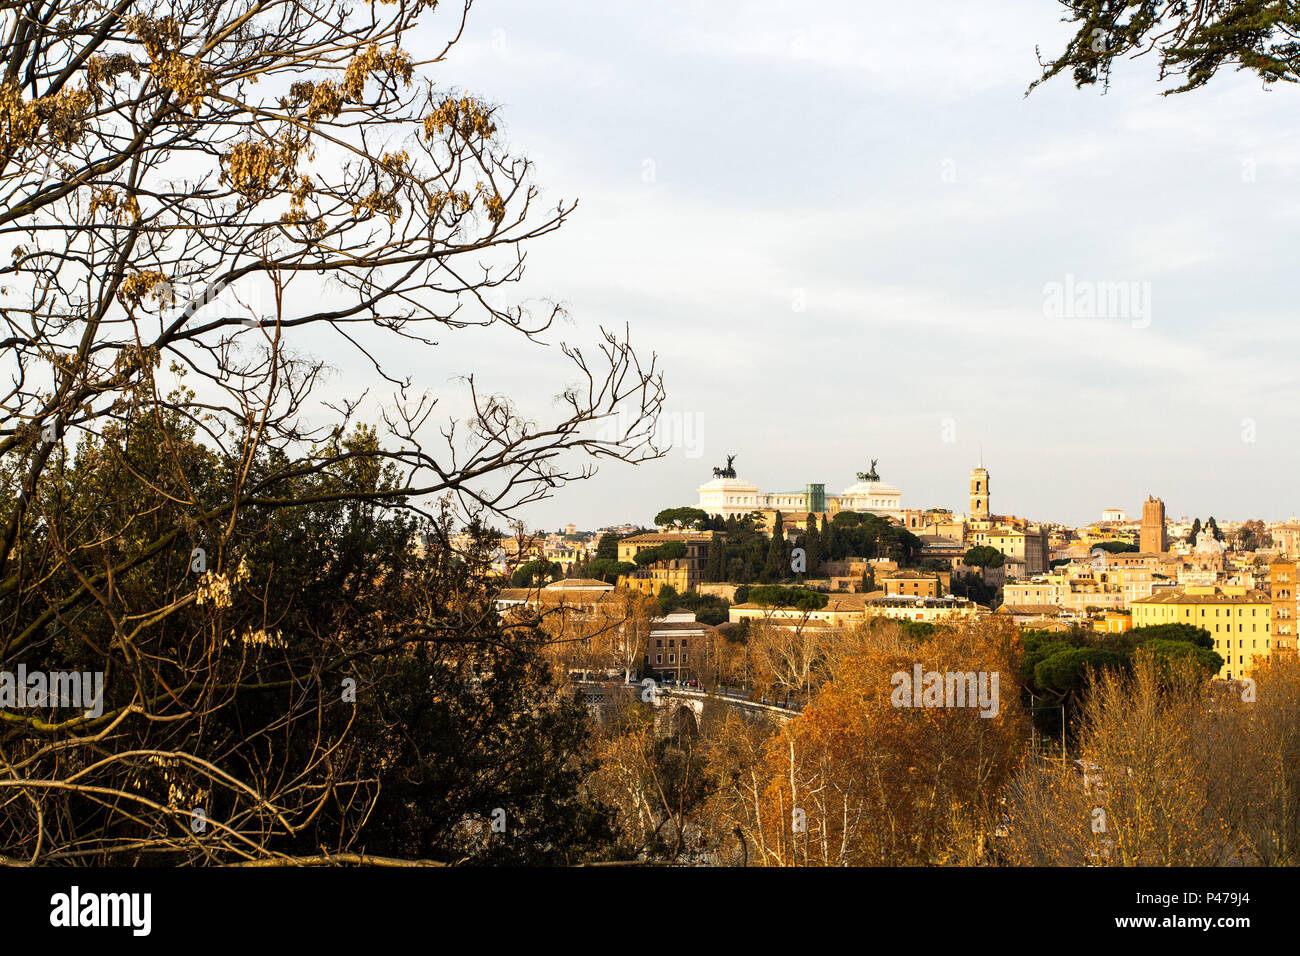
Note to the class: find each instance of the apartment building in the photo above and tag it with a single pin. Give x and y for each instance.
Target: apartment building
(1237, 618)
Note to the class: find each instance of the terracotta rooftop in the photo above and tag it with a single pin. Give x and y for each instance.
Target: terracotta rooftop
(1043, 609)
(669, 536)
(1182, 597)
(559, 596)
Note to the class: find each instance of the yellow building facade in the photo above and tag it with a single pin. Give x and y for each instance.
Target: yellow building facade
(1281, 584)
(682, 574)
(1237, 618)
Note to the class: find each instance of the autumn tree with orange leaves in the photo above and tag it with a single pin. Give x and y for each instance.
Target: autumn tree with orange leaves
(856, 780)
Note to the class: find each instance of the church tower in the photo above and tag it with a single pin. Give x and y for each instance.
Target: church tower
(979, 494)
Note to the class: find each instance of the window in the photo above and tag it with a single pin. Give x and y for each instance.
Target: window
(659, 658)
(659, 642)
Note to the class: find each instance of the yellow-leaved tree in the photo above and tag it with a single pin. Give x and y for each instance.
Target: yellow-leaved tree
(877, 772)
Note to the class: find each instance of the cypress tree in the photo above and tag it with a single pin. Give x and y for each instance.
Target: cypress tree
(776, 568)
(813, 545)
(827, 542)
(715, 566)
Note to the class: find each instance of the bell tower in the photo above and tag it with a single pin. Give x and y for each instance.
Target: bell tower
(979, 493)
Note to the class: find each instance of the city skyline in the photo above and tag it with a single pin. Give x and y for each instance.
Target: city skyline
(913, 261)
(955, 502)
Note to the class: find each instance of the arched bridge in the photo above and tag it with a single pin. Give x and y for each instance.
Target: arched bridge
(678, 710)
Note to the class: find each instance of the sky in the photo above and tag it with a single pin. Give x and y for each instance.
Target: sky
(848, 234)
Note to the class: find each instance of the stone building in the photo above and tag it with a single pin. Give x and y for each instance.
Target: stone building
(682, 574)
(1153, 538)
(729, 496)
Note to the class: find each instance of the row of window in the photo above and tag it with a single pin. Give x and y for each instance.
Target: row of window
(1227, 612)
(1242, 643)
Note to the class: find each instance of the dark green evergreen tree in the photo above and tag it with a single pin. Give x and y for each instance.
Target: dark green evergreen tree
(813, 545)
(608, 547)
(777, 567)
(715, 565)
(827, 542)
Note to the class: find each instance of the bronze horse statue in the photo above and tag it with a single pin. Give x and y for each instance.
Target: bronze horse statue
(869, 475)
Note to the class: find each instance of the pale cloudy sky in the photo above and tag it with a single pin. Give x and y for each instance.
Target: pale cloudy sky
(880, 164)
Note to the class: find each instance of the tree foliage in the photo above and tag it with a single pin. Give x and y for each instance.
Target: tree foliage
(1190, 42)
(668, 551)
(864, 535)
(983, 556)
(1056, 664)
(334, 686)
(855, 780)
(536, 572)
(1172, 770)
(1116, 547)
(776, 595)
(607, 547)
(608, 570)
(682, 518)
(777, 565)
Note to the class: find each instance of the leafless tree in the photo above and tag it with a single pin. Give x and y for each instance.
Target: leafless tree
(220, 186)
